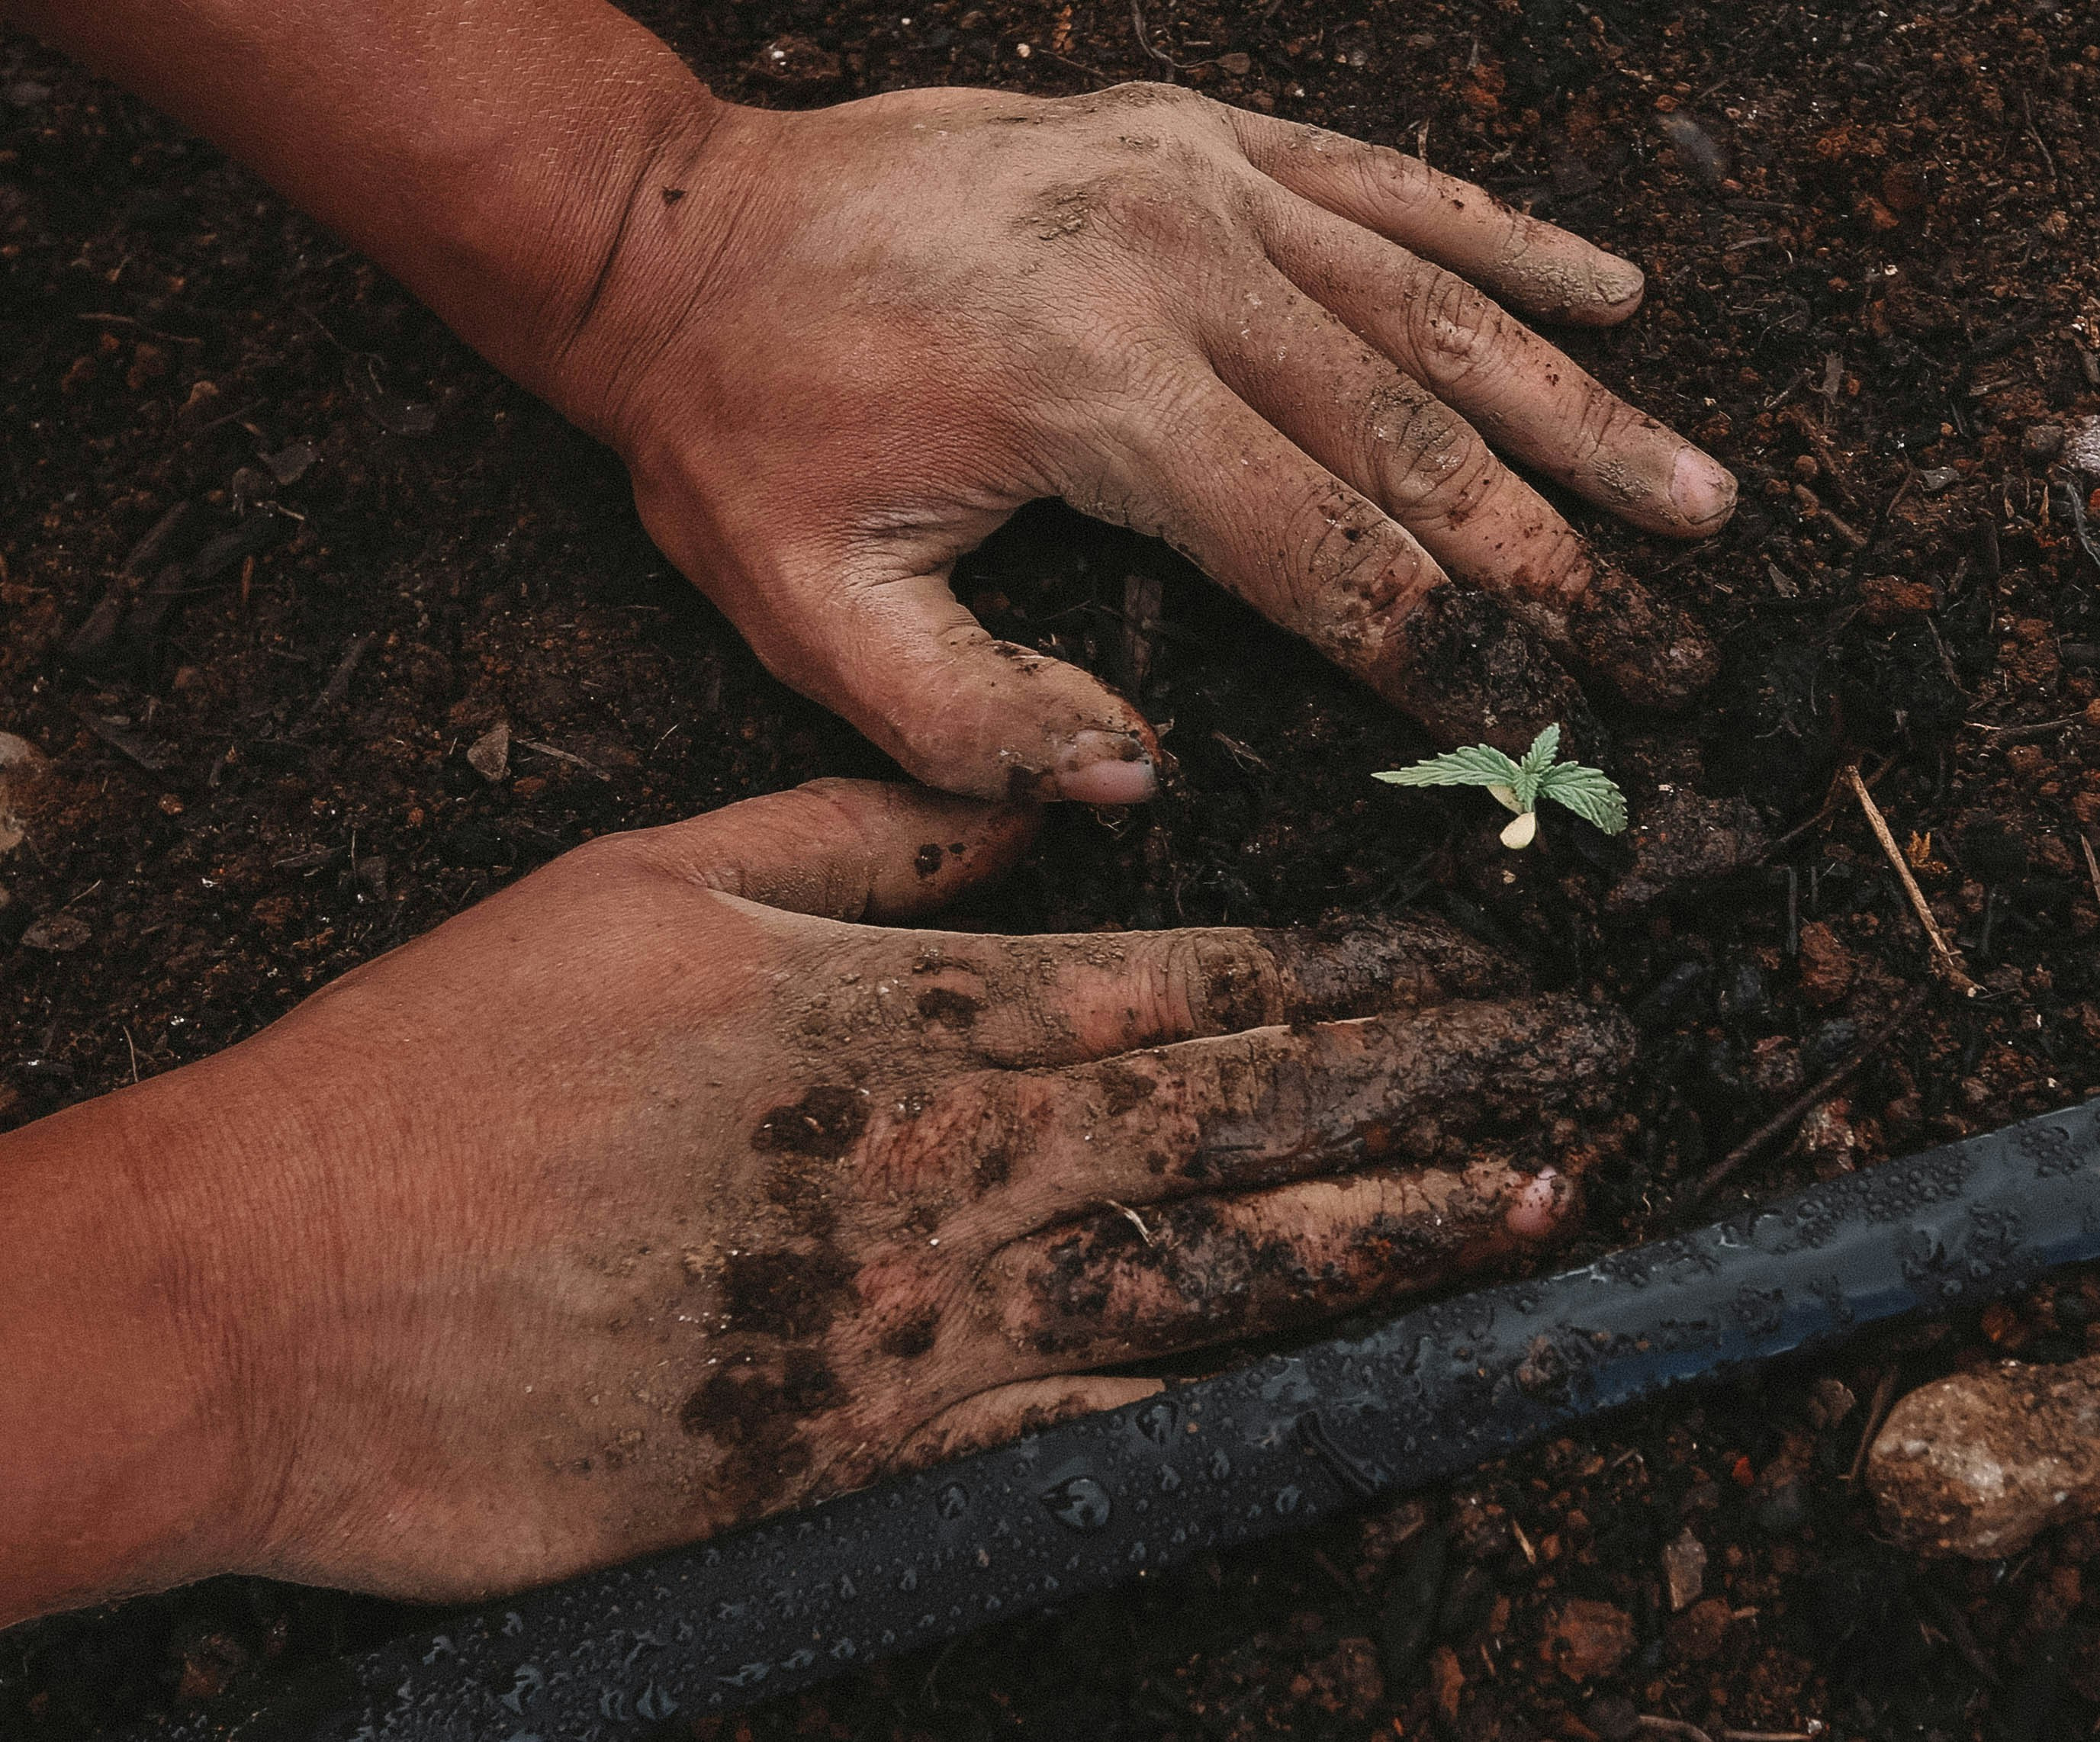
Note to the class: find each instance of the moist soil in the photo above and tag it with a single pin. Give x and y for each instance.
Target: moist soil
(1870, 238)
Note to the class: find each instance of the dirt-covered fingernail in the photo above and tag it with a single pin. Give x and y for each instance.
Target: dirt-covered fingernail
(1703, 491)
(1106, 768)
(1619, 282)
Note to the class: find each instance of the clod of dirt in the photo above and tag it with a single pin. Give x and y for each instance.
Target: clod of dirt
(1830, 1401)
(1685, 1570)
(1886, 599)
(1679, 839)
(1981, 1464)
(489, 755)
(1585, 1640)
(2041, 442)
(21, 766)
(1827, 967)
(1697, 1635)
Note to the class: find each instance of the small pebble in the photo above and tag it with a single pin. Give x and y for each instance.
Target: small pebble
(2082, 449)
(2041, 442)
(1980, 1464)
(489, 755)
(1685, 1570)
(1935, 478)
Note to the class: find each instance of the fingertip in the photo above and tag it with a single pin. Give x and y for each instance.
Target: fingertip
(1702, 491)
(1541, 1206)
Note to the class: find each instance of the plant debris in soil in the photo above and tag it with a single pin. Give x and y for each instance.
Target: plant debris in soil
(280, 560)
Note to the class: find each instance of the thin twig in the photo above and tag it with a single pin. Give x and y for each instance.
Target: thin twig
(1145, 40)
(2092, 866)
(1947, 958)
(1824, 810)
(1674, 1726)
(2034, 133)
(1136, 1220)
(101, 318)
(1885, 1391)
(2014, 734)
(1803, 1104)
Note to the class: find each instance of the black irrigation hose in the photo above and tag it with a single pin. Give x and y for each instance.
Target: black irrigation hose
(1268, 1448)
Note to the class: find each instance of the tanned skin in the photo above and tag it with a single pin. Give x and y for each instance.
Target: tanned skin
(661, 1191)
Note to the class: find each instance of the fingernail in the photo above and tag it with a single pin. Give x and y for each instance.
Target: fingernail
(1106, 768)
(1536, 1210)
(1619, 282)
(1702, 491)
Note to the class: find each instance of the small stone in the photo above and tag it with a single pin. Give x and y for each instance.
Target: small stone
(2041, 442)
(1980, 1464)
(489, 755)
(1935, 478)
(21, 766)
(2082, 449)
(1236, 62)
(1830, 1401)
(1585, 1640)
(1685, 1570)
(1698, 1634)
(287, 466)
(59, 933)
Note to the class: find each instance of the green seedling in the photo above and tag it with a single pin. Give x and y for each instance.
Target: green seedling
(1518, 786)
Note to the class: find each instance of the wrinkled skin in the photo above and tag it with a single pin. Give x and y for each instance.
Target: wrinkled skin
(652, 1195)
(856, 340)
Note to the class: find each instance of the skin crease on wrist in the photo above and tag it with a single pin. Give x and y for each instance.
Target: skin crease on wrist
(837, 348)
(660, 1192)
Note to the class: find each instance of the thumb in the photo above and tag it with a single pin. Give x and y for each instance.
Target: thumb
(846, 849)
(902, 659)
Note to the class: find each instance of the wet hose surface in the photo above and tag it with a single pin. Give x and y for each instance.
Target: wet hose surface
(1267, 1447)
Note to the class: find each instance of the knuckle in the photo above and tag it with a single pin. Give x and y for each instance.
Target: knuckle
(1460, 333)
(1219, 983)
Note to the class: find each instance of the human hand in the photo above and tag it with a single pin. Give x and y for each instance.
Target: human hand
(652, 1195)
(838, 348)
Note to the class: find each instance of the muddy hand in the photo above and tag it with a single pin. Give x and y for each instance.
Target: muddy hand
(880, 328)
(655, 1194)
(837, 348)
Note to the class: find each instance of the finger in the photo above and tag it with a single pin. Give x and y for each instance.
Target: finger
(1259, 1108)
(901, 658)
(1538, 268)
(1357, 413)
(1008, 1412)
(1043, 1001)
(1130, 1284)
(1311, 553)
(846, 849)
(1528, 397)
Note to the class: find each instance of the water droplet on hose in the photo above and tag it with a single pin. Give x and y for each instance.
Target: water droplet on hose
(1080, 1503)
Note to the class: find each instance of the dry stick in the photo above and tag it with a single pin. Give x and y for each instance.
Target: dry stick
(1803, 1104)
(1885, 1391)
(2092, 865)
(1674, 1726)
(1946, 956)
(1824, 810)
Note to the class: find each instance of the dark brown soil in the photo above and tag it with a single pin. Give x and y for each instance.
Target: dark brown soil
(1871, 240)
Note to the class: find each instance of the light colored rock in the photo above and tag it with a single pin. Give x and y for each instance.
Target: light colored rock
(2082, 449)
(1685, 1570)
(1981, 1464)
(489, 755)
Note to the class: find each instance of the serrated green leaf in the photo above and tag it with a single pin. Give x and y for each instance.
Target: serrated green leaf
(1589, 792)
(1476, 765)
(1532, 769)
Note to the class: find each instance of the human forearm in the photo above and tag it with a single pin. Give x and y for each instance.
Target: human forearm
(485, 151)
(120, 1390)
